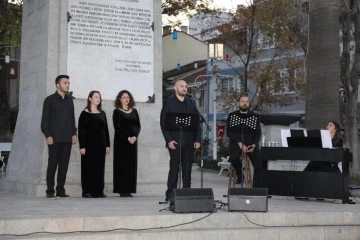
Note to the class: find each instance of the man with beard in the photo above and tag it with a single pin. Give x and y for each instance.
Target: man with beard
(244, 132)
(189, 140)
(58, 126)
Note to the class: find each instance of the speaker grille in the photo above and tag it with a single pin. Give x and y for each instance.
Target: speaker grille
(248, 199)
(192, 200)
(249, 191)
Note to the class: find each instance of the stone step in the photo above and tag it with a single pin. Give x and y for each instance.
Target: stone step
(276, 225)
(249, 233)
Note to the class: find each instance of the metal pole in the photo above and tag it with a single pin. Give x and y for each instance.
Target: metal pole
(214, 123)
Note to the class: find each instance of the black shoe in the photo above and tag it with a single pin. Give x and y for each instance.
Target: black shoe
(62, 195)
(86, 195)
(302, 198)
(125, 195)
(99, 196)
(320, 199)
(50, 196)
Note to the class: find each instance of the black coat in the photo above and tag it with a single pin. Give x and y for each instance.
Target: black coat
(174, 105)
(244, 128)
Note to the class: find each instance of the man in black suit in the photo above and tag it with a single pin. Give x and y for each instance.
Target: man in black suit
(190, 141)
(244, 132)
(58, 127)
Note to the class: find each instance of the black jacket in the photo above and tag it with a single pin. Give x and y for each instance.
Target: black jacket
(174, 105)
(58, 118)
(244, 128)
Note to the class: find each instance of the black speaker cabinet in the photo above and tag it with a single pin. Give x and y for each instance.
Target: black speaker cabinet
(189, 200)
(248, 199)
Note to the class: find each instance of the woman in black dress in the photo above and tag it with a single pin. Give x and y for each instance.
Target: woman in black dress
(94, 145)
(127, 128)
(335, 133)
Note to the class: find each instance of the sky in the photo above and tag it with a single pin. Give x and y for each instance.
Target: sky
(229, 4)
(223, 4)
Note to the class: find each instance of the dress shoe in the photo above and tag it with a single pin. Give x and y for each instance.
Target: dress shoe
(62, 195)
(86, 195)
(50, 196)
(102, 196)
(301, 198)
(125, 195)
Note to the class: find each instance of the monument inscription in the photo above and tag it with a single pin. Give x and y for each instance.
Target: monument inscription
(113, 41)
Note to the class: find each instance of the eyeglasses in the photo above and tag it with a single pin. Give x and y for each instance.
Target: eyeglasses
(125, 97)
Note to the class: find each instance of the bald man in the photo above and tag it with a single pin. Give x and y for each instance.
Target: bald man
(190, 141)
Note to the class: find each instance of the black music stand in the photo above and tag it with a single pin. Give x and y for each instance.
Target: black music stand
(238, 124)
(182, 122)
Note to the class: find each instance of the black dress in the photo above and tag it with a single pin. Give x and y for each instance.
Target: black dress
(94, 137)
(125, 154)
(314, 166)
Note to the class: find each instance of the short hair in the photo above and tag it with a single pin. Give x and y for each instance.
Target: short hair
(118, 102)
(57, 79)
(241, 96)
(178, 80)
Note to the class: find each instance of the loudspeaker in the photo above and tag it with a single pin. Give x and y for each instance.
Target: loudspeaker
(188, 200)
(248, 199)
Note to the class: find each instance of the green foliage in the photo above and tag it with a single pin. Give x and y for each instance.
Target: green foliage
(223, 150)
(10, 23)
(267, 30)
(208, 163)
(174, 7)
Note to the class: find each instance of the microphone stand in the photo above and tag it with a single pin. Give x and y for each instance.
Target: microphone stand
(202, 120)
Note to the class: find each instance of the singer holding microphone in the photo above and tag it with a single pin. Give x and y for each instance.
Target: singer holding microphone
(180, 103)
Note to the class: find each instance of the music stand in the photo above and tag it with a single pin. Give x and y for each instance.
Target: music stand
(183, 122)
(238, 124)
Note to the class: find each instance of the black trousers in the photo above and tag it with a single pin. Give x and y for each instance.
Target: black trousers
(255, 160)
(187, 157)
(59, 156)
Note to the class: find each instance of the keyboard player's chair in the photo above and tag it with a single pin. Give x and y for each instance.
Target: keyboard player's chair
(247, 172)
(232, 176)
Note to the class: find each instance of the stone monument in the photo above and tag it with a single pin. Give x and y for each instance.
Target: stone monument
(78, 38)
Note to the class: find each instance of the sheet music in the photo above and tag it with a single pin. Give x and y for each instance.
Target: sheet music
(284, 134)
(249, 121)
(326, 139)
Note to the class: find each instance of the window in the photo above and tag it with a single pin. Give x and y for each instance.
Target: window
(287, 78)
(264, 42)
(224, 84)
(216, 50)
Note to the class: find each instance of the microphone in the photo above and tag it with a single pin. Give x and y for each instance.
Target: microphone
(188, 94)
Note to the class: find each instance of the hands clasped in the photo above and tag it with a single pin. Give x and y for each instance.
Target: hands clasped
(172, 144)
(246, 149)
(132, 140)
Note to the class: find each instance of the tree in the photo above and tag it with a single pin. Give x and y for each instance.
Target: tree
(174, 7)
(333, 81)
(10, 35)
(265, 30)
(323, 64)
(350, 74)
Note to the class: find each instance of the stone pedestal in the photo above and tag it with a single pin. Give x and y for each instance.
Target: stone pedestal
(43, 57)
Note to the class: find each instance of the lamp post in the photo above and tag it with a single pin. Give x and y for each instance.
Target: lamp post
(213, 78)
(214, 121)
